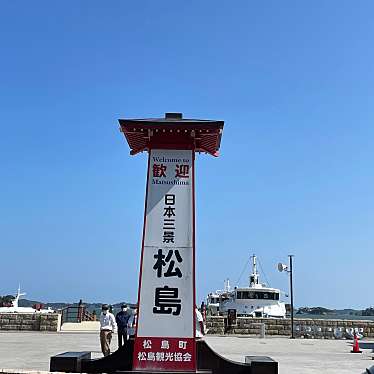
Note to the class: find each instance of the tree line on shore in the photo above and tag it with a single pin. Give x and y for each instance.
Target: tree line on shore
(6, 300)
(320, 311)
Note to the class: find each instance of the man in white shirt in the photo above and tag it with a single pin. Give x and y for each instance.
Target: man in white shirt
(107, 328)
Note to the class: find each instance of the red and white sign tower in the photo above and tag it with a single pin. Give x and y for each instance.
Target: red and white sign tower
(165, 335)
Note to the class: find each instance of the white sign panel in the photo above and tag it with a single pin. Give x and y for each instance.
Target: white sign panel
(166, 304)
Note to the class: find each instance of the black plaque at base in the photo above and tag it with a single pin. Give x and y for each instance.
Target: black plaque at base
(262, 364)
(68, 361)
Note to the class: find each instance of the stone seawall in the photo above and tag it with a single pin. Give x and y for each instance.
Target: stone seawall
(318, 328)
(30, 322)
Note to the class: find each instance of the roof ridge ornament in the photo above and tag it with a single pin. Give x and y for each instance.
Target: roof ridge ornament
(173, 115)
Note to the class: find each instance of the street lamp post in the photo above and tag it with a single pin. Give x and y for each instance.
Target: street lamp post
(291, 291)
(288, 269)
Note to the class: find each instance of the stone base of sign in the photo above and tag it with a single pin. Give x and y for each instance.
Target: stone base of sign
(120, 360)
(207, 361)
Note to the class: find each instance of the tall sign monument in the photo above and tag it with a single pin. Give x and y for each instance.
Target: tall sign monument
(165, 336)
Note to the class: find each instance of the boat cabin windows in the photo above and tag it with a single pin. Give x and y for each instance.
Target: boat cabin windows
(216, 300)
(257, 295)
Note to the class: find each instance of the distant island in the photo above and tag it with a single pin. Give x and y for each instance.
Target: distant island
(90, 307)
(333, 313)
(368, 312)
(319, 311)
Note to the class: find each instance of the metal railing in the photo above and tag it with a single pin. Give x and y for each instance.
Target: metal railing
(315, 331)
(76, 314)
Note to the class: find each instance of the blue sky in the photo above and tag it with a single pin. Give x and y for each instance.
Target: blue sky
(294, 83)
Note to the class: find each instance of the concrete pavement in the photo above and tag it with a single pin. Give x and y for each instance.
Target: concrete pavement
(32, 350)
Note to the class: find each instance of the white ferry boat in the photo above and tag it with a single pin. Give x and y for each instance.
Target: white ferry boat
(214, 299)
(14, 308)
(257, 300)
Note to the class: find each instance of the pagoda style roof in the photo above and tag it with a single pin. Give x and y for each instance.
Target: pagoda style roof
(172, 132)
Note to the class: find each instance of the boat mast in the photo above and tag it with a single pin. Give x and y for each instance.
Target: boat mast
(253, 278)
(226, 285)
(18, 296)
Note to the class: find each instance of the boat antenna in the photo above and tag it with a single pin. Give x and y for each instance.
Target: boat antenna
(226, 285)
(241, 274)
(253, 278)
(262, 271)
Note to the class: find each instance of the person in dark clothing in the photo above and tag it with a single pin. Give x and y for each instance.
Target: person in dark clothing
(122, 319)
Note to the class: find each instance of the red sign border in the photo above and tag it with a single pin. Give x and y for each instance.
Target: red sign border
(137, 339)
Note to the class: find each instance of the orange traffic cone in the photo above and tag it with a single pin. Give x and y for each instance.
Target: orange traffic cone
(356, 347)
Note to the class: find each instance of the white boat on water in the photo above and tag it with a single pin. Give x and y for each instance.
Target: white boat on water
(214, 298)
(20, 309)
(256, 300)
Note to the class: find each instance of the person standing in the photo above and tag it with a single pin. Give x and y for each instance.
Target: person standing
(122, 318)
(131, 325)
(200, 330)
(107, 327)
